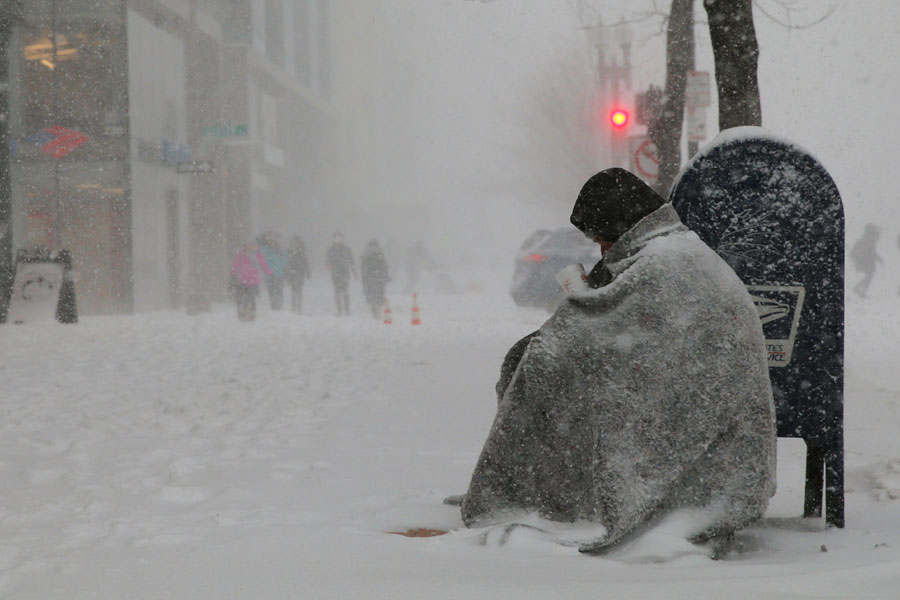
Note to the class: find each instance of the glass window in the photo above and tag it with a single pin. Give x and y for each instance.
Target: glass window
(268, 117)
(237, 21)
(258, 24)
(75, 76)
(324, 47)
(302, 61)
(275, 31)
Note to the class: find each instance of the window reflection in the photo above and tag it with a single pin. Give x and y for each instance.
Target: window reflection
(74, 76)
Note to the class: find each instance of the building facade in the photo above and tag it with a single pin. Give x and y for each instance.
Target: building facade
(152, 137)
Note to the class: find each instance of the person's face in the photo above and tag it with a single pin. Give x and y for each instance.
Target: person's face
(604, 244)
(600, 240)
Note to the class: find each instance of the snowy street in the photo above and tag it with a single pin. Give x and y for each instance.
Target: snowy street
(458, 158)
(169, 456)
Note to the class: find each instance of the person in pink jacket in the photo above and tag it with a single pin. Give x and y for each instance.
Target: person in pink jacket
(245, 275)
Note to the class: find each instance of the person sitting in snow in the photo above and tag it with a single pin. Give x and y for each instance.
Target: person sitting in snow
(646, 393)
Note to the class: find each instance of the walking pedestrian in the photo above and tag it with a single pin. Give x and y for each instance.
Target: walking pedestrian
(271, 249)
(339, 261)
(296, 271)
(375, 276)
(245, 270)
(865, 258)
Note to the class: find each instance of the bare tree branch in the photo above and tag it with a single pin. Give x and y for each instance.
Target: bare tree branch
(559, 142)
(788, 23)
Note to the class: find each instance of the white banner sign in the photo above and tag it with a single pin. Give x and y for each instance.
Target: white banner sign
(35, 293)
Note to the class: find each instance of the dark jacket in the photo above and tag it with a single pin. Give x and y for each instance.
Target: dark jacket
(374, 271)
(297, 267)
(339, 261)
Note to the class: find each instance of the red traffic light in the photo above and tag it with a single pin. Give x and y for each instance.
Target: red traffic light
(619, 117)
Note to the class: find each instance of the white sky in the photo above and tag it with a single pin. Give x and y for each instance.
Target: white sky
(830, 88)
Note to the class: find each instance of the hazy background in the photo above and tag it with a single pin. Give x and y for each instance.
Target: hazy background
(464, 76)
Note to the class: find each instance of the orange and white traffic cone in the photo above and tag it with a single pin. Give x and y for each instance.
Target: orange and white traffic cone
(387, 313)
(416, 317)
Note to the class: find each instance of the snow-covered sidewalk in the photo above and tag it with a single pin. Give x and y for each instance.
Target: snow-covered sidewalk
(168, 456)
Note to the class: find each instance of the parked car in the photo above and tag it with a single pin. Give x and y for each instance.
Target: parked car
(541, 256)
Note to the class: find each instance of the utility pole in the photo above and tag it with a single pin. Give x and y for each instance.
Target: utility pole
(662, 110)
(692, 146)
(612, 75)
(10, 13)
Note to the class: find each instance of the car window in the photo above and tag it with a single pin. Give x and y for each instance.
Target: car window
(534, 238)
(568, 241)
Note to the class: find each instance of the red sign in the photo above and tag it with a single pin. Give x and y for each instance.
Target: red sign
(644, 157)
(58, 141)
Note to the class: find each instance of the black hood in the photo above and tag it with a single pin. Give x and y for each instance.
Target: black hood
(612, 202)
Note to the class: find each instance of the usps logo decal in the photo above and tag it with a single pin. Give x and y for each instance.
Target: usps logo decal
(779, 308)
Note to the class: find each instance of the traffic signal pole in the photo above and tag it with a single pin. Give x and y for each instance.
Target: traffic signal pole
(612, 75)
(10, 11)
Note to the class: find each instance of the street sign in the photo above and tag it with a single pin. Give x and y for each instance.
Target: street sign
(195, 167)
(696, 91)
(174, 153)
(225, 130)
(696, 123)
(643, 156)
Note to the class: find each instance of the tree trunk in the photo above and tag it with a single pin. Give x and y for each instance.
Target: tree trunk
(665, 131)
(736, 51)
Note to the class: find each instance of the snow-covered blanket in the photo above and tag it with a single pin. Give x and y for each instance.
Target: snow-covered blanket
(645, 395)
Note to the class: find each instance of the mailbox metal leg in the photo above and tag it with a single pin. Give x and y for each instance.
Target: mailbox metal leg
(825, 473)
(815, 472)
(834, 484)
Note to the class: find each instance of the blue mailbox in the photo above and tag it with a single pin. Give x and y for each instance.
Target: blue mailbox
(772, 211)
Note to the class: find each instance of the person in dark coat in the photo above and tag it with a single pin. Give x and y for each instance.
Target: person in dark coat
(296, 271)
(865, 257)
(339, 261)
(375, 276)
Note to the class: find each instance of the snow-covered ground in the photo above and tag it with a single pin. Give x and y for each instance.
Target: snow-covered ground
(195, 457)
